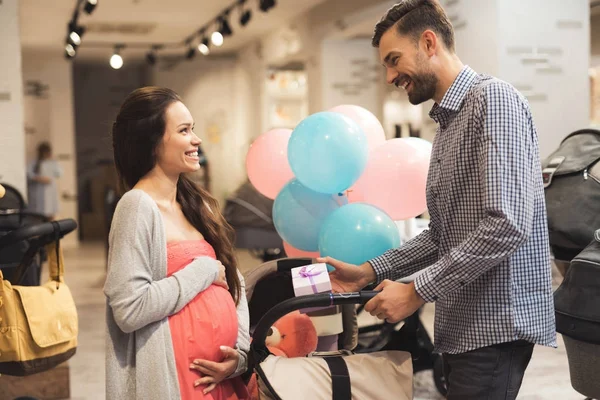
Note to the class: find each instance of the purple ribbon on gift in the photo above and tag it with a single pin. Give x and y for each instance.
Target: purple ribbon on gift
(305, 272)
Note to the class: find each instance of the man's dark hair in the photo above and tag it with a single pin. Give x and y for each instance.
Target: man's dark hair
(412, 18)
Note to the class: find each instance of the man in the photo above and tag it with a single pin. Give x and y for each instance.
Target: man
(485, 259)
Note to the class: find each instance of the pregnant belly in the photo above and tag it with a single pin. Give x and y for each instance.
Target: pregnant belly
(203, 325)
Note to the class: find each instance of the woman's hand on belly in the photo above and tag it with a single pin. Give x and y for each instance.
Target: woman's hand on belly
(221, 278)
(214, 372)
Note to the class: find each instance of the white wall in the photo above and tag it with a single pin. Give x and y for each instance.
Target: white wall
(510, 39)
(350, 74)
(12, 137)
(218, 94)
(50, 117)
(544, 48)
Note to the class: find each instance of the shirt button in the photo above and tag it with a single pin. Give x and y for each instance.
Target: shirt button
(461, 282)
(435, 298)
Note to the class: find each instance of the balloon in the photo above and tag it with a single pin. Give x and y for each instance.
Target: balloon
(356, 233)
(267, 164)
(395, 178)
(327, 152)
(421, 143)
(291, 251)
(298, 214)
(367, 121)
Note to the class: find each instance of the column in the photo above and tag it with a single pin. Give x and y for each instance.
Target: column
(12, 135)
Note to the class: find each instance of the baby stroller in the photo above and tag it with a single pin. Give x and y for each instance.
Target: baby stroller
(14, 215)
(250, 214)
(270, 294)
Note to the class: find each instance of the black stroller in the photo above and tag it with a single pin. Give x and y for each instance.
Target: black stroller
(250, 214)
(273, 281)
(14, 215)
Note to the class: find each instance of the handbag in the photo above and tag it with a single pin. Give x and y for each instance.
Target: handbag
(38, 324)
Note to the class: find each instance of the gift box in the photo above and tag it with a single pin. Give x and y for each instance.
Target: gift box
(311, 279)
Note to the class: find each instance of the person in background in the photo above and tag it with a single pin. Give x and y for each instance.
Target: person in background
(42, 191)
(177, 316)
(485, 259)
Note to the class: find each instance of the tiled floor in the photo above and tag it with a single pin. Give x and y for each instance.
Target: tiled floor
(546, 378)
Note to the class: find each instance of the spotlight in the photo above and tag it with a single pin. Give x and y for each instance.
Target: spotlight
(225, 28)
(216, 38)
(75, 34)
(151, 58)
(90, 5)
(203, 47)
(116, 61)
(266, 5)
(70, 51)
(245, 17)
(74, 38)
(190, 53)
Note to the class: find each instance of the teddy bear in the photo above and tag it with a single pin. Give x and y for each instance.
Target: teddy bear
(293, 335)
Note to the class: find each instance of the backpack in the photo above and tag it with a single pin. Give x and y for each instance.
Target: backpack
(572, 189)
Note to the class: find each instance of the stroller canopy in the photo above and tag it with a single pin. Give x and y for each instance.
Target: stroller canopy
(247, 208)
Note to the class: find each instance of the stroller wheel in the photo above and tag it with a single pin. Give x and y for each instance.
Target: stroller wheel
(438, 375)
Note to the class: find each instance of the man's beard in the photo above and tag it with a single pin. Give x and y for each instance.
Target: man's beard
(423, 84)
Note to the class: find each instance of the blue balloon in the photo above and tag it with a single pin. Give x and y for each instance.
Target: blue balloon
(328, 152)
(299, 212)
(357, 232)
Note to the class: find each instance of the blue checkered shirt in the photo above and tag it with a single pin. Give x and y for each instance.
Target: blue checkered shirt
(485, 257)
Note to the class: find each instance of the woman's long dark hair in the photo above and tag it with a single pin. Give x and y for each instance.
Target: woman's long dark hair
(136, 134)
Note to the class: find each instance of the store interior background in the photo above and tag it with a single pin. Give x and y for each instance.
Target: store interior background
(298, 58)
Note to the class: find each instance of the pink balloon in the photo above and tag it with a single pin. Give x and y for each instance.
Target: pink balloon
(294, 252)
(395, 178)
(267, 163)
(367, 121)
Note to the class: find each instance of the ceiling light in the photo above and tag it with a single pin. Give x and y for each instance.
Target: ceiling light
(225, 28)
(245, 17)
(266, 5)
(70, 51)
(74, 38)
(216, 38)
(90, 5)
(203, 47)
(75, 33)
(151, 58)
(116, 61)
(190, 53)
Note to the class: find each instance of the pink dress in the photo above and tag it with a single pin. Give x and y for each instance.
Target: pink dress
(201, 327)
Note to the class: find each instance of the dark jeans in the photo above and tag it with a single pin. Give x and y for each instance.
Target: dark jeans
(492, 373)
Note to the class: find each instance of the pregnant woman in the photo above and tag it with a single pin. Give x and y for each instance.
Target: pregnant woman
(177, 315)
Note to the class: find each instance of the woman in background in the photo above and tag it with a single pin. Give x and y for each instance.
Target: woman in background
(42, 192)
(177, 317)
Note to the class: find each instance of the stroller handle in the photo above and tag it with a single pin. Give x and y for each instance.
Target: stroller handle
(44, 229)
(296, 303)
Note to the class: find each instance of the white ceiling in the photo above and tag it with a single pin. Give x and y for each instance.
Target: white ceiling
(44, 22)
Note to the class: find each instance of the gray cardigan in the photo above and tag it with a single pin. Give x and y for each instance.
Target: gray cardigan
(140, 362)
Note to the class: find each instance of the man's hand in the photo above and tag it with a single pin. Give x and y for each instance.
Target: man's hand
(395, 302)
(215, 372)
(348, 277)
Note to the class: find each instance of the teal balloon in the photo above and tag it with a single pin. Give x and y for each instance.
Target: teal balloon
(299, 212)
(328, 152)
(356, 233)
